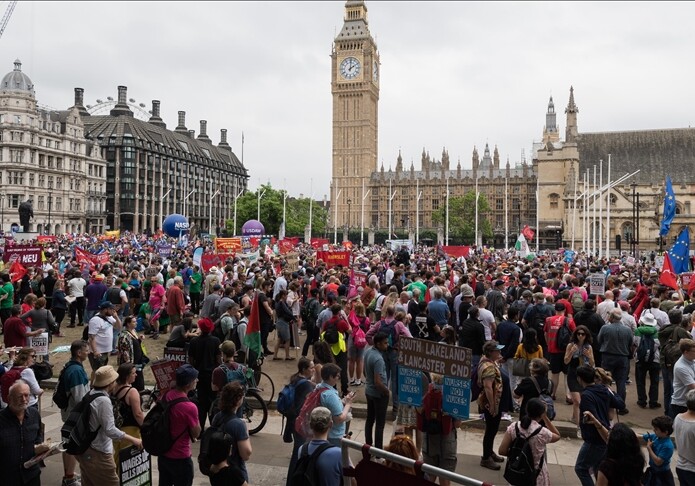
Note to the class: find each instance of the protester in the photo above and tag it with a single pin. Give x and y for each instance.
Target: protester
(328, 465)
(683, 377)
(660, 450)
(204, 356)
(403, 446)
(376, 391)
(127, 400)
(490, 380)
(130, 350)
(526, 389)
(284, 316)
(648, 364)
(101, 328)
(231, 399)
(222, 472)
(16, 331)
(340, 409)
(303, 385)
(615, 341)
(579, 352)
(624, 462)
(684, 433)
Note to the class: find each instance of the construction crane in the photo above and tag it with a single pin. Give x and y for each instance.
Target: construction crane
(6, 16)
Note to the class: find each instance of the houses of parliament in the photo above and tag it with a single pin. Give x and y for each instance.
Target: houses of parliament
(545, 192)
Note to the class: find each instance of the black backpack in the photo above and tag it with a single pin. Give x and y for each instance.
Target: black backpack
(60, 395)
(156, 428)
(76, 434)
(305, 472)
(330, 335)
(214, 429)
(520, 469)
(564, 335)
(646, 348)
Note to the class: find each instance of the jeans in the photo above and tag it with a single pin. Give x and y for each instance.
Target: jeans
(686, 478)
(617, 365)
(508, 366)
(298, 441)
(376, 410)
(588, 459)
(311, 336)
(77, 307)
(667, 375)
(641, 371)
(175, 472)
(89, 313)
(391, 360)
(195, 302)
(492, 425)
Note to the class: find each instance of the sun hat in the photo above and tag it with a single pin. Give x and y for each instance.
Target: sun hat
(104, 376)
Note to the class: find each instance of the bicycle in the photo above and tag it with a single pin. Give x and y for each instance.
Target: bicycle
(267, 391)
(254, 410)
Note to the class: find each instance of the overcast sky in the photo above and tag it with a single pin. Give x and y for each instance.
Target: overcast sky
(454, 75)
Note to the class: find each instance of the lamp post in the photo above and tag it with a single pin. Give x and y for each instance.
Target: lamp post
(2, 213)
(185, 206)
(161, 208)
(50, 203)
(210, 216)
(349, 203)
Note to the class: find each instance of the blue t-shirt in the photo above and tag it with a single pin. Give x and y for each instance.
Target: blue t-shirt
(238, 430)
(438, 310)
(329, 462)
(663, 448)
(373, 364)
(331, 400)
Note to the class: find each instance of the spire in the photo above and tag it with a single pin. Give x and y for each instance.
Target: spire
(571, 131)
(487, 160)
(399, 162)
(445, 160)
(550, 130)
(476, 160)
(496, 158)
(571, 107)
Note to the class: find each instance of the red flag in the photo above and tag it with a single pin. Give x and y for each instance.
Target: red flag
(17, 271)
(428, 295)
(451, 279)
(528, 233)
(668, 277)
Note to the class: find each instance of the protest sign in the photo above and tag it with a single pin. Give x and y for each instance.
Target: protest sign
(292, 262)
(439, 358)
(597, 283)
(456, 396)
(135, 467)
(410, 389)
(164, 372)
(227, 247)
(39, 343)
(177, 355)
(27, 255)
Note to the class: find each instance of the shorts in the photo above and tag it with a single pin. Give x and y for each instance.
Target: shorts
(353, 351)
(557, 363)
(283, 329)
(440, 450)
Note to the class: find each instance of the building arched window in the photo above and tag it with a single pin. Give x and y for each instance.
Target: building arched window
(554, 200)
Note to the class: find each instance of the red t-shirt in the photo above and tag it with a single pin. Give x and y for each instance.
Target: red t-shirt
(552, 324)
(184, 416)
(15, 332)
(343, 325)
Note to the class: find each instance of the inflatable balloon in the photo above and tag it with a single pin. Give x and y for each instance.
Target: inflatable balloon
(252, 227)
(175, 224)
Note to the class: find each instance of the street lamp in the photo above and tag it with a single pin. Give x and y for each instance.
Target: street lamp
(210, 218)
(185, 206)
(349, 203)
(2, 213)
(50, 202)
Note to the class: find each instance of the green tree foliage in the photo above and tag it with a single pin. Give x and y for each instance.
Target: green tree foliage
(462, 217)
(297, 212)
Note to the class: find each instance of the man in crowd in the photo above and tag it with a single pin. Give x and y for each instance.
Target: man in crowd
(175, 302)
(556, 354)
(615, 342)
(100, 333)
(328, 465)
(204, 356)
(683, 377)
(376, 391)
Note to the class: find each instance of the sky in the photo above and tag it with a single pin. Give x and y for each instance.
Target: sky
(453, 74)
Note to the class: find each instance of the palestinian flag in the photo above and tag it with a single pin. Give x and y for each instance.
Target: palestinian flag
(252, 340)
(521, 246)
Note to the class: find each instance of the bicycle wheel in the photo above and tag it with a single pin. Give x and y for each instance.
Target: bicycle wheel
(255, 411)
(147, 399)
(265, 386)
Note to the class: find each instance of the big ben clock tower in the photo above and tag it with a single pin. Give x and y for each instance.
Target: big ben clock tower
(355, 88)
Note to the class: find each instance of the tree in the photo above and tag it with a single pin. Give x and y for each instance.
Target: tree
(297, 212)
(462, 217)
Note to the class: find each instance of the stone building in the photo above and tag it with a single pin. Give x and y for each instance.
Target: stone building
(45, 158)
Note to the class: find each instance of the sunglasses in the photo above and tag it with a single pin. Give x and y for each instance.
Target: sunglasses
(581, 334)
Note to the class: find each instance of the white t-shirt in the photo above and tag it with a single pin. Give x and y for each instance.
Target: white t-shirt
(683, 377)
(102, 330)
(76, 286)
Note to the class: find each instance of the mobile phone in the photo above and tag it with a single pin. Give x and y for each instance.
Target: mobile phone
(585, 419)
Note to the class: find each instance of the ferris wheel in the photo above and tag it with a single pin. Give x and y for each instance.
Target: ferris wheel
(103, 107)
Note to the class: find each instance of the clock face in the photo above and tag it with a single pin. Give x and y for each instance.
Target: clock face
(375, 71)
(350, 68)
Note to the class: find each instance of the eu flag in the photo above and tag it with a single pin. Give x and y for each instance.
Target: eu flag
(669, 208)
(680, 252)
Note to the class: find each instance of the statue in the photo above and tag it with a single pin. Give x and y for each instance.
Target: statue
(25, 213)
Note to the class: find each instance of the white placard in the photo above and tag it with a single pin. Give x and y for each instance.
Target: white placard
(597, 284)
(39, 343)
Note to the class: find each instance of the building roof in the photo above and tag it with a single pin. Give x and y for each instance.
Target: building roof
(16, 80)
(436, 174)
(159, 139)
(657, 153)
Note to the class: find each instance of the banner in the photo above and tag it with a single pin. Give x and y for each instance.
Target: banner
(457, 251)
(439, 358)
(227, 247)
(334, 258)
(197, 256)
(46, 238)
(163, 249)
(317, 243)
(39, 343)
(285, 246)
(27, 255)
(208, 260)
(177, 355)
(101, 258)
(112, 234)
(135, 467)
(249, 258)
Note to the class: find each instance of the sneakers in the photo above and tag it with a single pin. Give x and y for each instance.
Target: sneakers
(655, 405)
(73, 481)
(355, 383)
(624, 411)
(506, 416)
(490, 464)
(497, 458)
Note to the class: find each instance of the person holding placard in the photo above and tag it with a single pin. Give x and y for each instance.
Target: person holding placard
(16, 332)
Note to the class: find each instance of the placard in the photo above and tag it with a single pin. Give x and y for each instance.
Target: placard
(410, 390)
(135, 467)
(27, 255)
(456, 394)
(292, 262)
(164, 372)
(659, 262)
(685, 279)
(39, 343)
(597, 284)
(432, 357)
(334, 258)
(178, 355)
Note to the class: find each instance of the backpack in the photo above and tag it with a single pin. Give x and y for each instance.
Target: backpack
(563, 335)
(432, 419)
(217, 330)
(60, 394)
(8, 379)
(576, 300)
(156, 428)
(359, 339)
(112, 295)
(308, 311)
(236, 374)
(475, 385)
(520, 469)
(306, 473)
(671, 352)
(389, 328)
(313, 400)
(545, 396)
(646, 349)
(76, 434)
(204, 462)
(330, 335)
(287, 397)
(234, 335)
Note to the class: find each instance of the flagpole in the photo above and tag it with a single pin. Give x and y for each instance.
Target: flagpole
(538, 230)
(593, 221)
(311, 205)
(600, 210)
(446, 222)
(506, 213)
(608, 212)
(574, 208)
(586, 212)
(284, 207)
(390, 199)
(335, 218)
(418, 195)
(476, 212)
(364, 196)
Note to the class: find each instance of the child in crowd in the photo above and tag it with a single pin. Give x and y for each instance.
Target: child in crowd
(660, 449)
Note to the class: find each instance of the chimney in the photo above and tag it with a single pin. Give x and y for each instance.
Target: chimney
(204, 131)
(181, 128)
(223, 139)
(156, 119)
(122, 107)
(191, 133)
(79, 102)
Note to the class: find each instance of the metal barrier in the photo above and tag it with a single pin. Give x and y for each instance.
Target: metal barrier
(346, 444)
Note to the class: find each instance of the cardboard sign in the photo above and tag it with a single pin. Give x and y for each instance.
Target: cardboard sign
(456, 393)
(27, 255)
(164, 372)
(410, 390)
(659, 261)
(615, 268)
(439, 358)
(597, 284)
(135, 467)
(292, 262)
(178, 355)
(39, 343)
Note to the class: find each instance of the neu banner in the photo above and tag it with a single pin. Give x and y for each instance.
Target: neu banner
(334, 258)
(27, 255)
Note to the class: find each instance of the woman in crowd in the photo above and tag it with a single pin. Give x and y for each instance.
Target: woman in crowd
(59, 306)
(490, 380)
(130, 350)
(134, 291)
(579, 352)
(526, 389)
(532, 425)
(624, 461)
(355, 354)
(448, 335)
(403, 446)
(222, 472)
(284, 316)
(128, 413)
(24, 360)
(529, 347)
(40, 318)
(28, 305)
(183, 333)
(231, 397)
(295, 305)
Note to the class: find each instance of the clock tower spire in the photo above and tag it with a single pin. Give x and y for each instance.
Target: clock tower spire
(355, 73)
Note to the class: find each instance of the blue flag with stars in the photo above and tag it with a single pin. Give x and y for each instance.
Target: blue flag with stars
(669, 208)
(680, 252)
